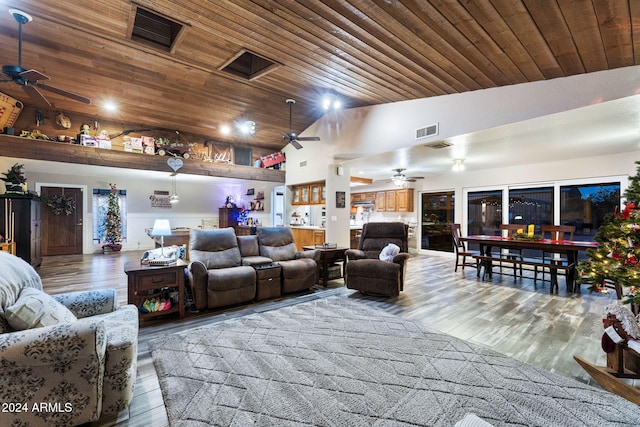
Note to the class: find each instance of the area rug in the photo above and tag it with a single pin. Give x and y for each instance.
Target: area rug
(338, 362)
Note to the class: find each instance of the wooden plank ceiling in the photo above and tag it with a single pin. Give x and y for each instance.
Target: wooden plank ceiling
(367, 51)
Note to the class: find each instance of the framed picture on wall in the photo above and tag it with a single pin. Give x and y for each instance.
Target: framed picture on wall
(340, 199)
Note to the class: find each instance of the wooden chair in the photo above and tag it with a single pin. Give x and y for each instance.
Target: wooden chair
(461, 250)
(554, 232)
(506, 230)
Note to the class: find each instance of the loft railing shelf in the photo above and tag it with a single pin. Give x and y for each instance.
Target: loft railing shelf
(38, 149)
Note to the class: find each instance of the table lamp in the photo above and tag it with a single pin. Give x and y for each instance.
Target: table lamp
(161, 228)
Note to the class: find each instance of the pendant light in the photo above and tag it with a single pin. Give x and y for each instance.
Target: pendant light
(174, 198)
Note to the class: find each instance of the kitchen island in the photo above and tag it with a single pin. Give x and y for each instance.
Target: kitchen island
(307, 235)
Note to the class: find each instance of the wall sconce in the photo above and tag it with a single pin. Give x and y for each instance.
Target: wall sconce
(458, 165)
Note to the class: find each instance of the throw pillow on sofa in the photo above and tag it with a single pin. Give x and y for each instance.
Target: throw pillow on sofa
(35, 309)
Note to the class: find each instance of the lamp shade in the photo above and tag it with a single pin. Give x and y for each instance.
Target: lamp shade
(161, 228)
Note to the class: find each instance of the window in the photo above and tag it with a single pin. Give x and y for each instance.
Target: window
(531, 206)
(437, 217)
(585, 206)
(100, 205)
(484, 212)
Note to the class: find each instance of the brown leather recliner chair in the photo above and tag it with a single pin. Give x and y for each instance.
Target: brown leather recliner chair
(216, 273)
(299, 269)
(366, 272)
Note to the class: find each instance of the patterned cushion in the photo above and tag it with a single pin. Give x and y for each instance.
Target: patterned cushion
(35, 309)
(15, 275)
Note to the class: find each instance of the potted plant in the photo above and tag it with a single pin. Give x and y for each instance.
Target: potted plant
(14, 179)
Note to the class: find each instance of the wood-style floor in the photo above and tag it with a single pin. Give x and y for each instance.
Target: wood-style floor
(515, 318)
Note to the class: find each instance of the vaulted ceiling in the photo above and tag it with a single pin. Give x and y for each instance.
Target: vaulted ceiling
(367, 51)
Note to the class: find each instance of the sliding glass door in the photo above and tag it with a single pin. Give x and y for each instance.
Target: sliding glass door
(437, 217)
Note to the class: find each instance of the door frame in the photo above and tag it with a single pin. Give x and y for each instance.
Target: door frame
(85, 202)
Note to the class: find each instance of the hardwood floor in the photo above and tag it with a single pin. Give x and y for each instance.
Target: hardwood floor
(515, 318)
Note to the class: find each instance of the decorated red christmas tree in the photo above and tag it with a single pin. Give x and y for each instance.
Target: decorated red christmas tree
(618, 254)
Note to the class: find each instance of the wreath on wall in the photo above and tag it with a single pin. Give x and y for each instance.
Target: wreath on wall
(60, 204)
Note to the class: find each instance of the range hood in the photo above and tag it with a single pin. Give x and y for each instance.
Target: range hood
(363, 203)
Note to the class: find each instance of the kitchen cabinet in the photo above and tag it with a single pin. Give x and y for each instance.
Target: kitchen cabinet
(404, 200)
(308, 194)
(300, 195)
(380, 201)
(395, 200)
(307, 237)
(363, 197)
(26, 211)
(295, 195)
(354, 238)
(317, 194)
(390, 201)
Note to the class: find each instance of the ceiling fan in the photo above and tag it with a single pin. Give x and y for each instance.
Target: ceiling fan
(400, 178)
(29, 80)
(291, 137)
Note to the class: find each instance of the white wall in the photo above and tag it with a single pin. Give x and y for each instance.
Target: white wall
(362, 132)
(200, 197)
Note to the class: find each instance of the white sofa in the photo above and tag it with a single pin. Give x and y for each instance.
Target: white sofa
(62, 366)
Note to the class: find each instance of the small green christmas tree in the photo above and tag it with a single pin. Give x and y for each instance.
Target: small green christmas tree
(113, 222)
(618, 254)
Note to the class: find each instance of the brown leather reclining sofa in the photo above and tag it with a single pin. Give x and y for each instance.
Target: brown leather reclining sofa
(222, 269)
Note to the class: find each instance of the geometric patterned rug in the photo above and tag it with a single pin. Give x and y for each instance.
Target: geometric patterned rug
(337, 362)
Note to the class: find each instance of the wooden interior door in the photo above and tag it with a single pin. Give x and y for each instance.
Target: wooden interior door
(62, 234)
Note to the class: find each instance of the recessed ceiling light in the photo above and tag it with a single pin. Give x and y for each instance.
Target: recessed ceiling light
(110, 106)
(331, 102)
(247, 127)
(225, 129)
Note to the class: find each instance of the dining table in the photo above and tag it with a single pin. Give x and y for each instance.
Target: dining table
(570, 248)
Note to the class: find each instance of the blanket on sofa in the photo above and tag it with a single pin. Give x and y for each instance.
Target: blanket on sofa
(338, 362)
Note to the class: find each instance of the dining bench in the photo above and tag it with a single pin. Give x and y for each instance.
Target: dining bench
(486, 267)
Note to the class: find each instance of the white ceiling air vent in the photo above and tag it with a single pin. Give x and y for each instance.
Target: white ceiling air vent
(436, 145)
(427, 131)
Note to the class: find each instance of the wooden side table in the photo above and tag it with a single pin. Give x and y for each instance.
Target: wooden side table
(328, 256)
(145, 281)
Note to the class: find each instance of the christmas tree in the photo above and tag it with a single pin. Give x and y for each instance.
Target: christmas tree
(616, 258)
(113, 222)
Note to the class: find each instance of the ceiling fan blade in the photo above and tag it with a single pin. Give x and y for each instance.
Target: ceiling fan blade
(35, 95)
(64, 93)
(33, 75)
(308, 138)
(296, 144)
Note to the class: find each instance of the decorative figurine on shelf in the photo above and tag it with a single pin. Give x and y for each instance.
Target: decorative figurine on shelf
(14, 179)
(229, 203)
